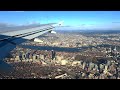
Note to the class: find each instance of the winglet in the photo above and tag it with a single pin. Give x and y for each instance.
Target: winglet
(60, 23)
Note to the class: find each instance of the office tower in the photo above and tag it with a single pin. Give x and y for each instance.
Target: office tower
(83, 66)
(37, 57)
(17, 58)
(23, 56)
(27, 55)
(91, 65)
(115, 49)
(53, 54)
(42, 57)
(34, 57)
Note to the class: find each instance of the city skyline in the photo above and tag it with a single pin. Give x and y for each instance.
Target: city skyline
(72, 19)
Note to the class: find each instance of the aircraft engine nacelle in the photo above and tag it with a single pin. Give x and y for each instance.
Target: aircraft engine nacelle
(53, 32)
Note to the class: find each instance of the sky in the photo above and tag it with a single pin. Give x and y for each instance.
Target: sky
(72, 19)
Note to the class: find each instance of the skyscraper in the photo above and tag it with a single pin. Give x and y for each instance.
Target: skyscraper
(110, 49)
(115, 49)
(53, 54)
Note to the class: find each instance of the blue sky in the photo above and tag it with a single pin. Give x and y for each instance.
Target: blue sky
(73, 19)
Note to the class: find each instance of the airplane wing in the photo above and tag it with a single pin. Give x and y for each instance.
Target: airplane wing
(9, 40)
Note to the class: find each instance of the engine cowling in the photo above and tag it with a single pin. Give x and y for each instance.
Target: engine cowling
(53, 32)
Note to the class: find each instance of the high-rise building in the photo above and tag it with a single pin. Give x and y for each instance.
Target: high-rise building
(109, 50)
(34, 57)
(58, 58)
(37, 57)
(96, 66)
(20, 54)
(42, 57)
(23, 56)
(17, 58)
(101, 66)
(108, 63)
(27, 55)
(91, 65)
(53, 54)
(115, 49)
(30, 56)
(83, 66)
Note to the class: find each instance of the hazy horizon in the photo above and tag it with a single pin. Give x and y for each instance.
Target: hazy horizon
(84, 20)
